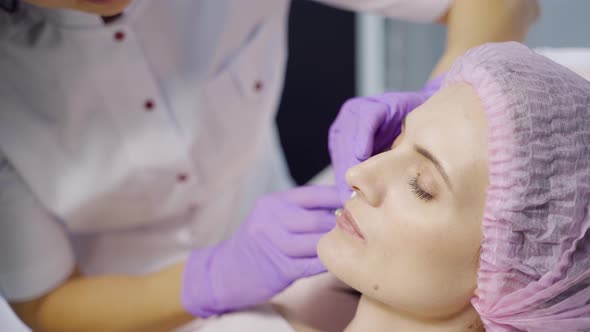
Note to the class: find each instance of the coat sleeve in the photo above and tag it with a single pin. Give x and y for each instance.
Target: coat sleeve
(35, 252)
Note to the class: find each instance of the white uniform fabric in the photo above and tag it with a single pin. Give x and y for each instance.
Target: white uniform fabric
(262, 318)
(9, 322)
(123, 146)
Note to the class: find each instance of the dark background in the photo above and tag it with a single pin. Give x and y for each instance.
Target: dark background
(320, 77)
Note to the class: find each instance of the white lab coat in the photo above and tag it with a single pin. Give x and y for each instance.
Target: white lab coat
(123, 146)
(8, 319)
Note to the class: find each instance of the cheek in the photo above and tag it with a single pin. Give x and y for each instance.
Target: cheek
(430, 242)
(429, 232)
(414, 255)
(348, 264)
(342, 256)
(402, 242)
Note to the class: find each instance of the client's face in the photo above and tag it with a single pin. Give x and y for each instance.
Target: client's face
(418, 208)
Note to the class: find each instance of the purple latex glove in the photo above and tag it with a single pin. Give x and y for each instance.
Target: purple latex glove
(366, 126)
(276, 245)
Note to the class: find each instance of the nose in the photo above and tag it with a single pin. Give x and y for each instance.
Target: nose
(367, 179)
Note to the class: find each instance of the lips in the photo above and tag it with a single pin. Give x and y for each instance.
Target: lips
(346, 222)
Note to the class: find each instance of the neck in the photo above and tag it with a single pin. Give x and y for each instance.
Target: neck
(375, 316)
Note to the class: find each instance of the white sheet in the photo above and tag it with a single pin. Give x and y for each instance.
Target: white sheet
(8, 320)
(262, 318)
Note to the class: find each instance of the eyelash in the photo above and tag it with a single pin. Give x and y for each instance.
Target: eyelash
(419, 192)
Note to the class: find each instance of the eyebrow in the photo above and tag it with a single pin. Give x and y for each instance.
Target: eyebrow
(426, 154)
(436, 163)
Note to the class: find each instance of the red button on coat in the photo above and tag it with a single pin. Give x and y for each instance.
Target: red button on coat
(182, 177)
(119, 36)
(149, 105)
(258, 86)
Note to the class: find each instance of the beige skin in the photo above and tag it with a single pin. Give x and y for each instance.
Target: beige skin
(151, 302)
(417, 267)
(471, 23)
(105, 8)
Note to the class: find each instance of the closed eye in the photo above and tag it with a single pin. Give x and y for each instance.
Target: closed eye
(418, 191)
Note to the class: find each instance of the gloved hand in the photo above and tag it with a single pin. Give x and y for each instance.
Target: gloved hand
(366, 126)
(276, 245)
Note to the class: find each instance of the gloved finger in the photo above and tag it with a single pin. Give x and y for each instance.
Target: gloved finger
(300, 245)
(313, 197)
(344, 192)
(370, 119)
(400, 103)
(311, 221)
(310, 266)
(341, 164)
(433, 85)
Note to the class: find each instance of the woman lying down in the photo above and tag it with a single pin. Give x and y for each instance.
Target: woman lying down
(477, 217)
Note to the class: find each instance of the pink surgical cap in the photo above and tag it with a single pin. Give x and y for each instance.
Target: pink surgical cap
(534, 272)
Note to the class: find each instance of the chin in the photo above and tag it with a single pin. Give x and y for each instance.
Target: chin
(340, 257)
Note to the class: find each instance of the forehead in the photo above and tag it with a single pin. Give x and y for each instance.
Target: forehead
(452, 125)
(457, 104)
